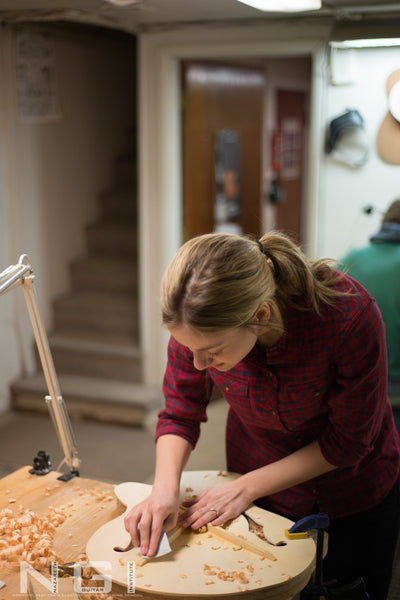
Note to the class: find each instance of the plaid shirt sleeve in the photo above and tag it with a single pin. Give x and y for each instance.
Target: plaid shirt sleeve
(187, 393)
(358, 397)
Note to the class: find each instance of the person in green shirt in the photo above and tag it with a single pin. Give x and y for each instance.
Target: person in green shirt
(377, 268)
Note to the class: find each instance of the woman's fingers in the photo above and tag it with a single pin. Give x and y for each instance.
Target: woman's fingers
(156, 532)
(145, 524)
(131, 522)
(215, 505)
(198, 515)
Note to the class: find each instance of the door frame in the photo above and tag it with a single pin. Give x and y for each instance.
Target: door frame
(159, 151)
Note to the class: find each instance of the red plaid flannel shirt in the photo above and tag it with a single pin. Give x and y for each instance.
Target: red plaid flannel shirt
(325, 380)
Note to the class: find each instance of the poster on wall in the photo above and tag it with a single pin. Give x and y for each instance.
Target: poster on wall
(37, 94)
(227, 205)
(291, 148)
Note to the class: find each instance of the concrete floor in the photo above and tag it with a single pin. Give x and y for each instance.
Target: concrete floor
(111, 453)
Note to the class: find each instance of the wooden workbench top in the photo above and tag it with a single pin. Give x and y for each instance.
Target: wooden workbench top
(87, 504)
(87, 507)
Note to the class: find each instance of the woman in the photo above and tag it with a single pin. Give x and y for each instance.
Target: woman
(298, 351)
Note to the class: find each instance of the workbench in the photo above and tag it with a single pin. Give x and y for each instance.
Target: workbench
(87, 503)
(87, 507)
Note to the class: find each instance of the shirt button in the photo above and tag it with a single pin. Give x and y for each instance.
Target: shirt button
(273, 412)
(317, 394)
(227, 388)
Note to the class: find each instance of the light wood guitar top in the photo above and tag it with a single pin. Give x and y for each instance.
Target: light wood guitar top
(209, 564)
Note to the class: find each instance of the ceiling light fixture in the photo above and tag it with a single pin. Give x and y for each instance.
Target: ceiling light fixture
(367, 43)
(124, 2)
(283, 5)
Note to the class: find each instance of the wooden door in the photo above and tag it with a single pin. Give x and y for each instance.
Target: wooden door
(290, 123)
(216, 99)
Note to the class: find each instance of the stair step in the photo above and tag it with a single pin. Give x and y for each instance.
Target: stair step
(118, 204)
(95, 355)
(85, 397)
(109, 238)
(102, 273)
(106, 312)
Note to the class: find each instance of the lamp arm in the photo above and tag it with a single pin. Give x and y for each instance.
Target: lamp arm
(22, 274)
(54, 400)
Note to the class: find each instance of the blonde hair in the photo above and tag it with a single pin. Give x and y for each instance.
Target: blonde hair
(217, 281)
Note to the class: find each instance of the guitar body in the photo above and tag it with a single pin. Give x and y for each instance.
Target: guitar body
(202, 564)
(388, 136)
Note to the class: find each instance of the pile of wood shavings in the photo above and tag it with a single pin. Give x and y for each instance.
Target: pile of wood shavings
(27, 536)
(239, 576)
(97, 493)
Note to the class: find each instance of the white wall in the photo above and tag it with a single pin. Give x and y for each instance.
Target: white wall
(335, 194)
(345, 191)
(159, 144)
(53, 172)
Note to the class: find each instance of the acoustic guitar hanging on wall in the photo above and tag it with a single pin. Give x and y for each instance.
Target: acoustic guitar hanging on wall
(388, 137)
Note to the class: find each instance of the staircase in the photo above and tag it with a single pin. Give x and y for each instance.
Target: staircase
(95, 337)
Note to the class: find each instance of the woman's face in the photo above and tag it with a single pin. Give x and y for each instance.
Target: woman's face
(222, 350)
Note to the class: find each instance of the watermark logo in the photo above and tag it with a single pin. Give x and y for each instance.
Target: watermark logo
(104, 566)
(51, 584)
(26, 569)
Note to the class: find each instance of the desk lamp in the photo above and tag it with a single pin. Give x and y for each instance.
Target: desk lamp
(22, 274)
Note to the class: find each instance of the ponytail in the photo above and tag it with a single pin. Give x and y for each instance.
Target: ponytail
(217, 281)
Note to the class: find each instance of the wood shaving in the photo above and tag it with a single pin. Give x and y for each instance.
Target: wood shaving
(233, 576)
(97, 493)
(250, 568)
(239, 576)
(27, 536)
(209, 571)
(190, 497)
(201, 529)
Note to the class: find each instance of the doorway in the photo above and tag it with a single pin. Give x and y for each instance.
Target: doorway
(222, 125)
(235, 176)
(160, 148)
(291, 123)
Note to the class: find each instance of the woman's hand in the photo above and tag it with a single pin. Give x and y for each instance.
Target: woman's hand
(216, 505)
(159, 511)
(146, 521)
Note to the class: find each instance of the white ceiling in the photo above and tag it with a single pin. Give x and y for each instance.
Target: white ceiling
(151, 14)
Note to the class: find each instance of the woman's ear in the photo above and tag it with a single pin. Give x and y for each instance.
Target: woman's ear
(263, 313)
